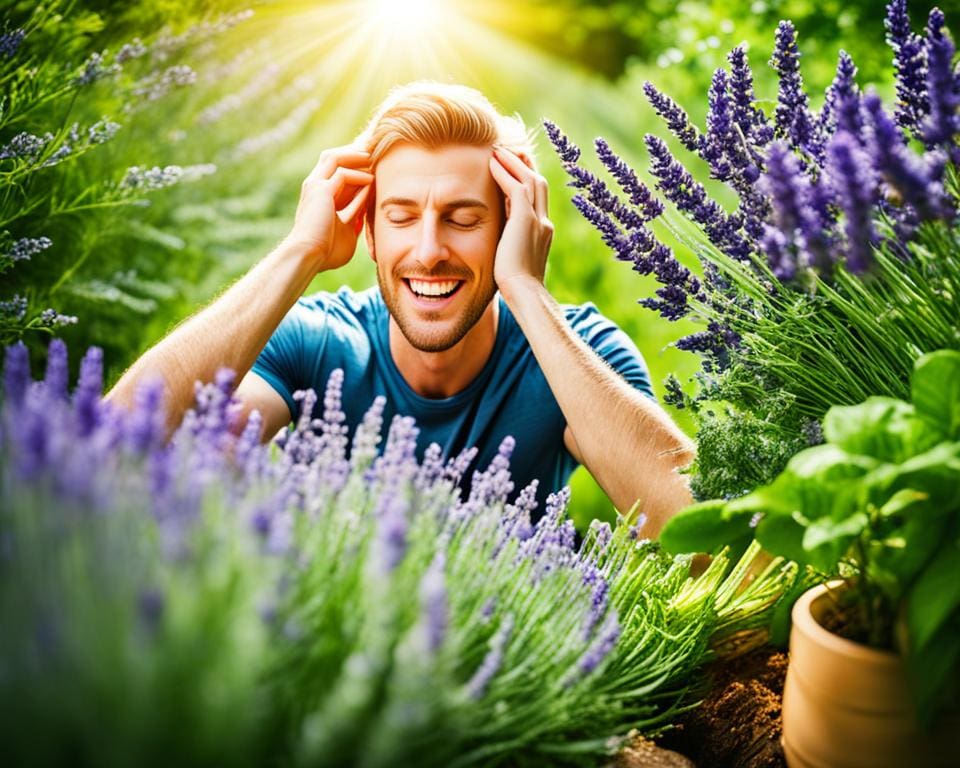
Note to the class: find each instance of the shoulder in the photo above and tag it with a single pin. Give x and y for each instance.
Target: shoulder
(343, 307)
(611, 343)
(588, 321)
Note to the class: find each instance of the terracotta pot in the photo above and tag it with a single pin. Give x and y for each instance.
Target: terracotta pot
(846, 705)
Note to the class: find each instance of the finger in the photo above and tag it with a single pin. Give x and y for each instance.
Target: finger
(330, 159)
(542, 191)
(356, 207)
(344, 177)
(519, 170)
(506, 181)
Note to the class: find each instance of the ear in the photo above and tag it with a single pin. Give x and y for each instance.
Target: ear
(368, 236)
(368, 219)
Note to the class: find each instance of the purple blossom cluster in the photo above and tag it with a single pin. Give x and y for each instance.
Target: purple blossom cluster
(25, 247)
(811, 185)
(10, 43)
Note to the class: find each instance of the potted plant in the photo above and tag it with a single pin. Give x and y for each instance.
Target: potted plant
(874, 676)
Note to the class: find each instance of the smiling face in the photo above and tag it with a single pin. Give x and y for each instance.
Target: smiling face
(437, 221)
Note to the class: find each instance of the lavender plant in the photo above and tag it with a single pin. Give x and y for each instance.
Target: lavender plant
(836, 270)
(320, 600)
(97, 153)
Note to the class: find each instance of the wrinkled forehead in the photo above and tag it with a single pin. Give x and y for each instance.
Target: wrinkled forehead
(425, 175)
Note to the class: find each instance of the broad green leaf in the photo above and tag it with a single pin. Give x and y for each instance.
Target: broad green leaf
(783, 535)
(826, 540)
(705, 527)
(882, 427)
(936, 594)
(909, 531)
(935, 391)
(935, 473)
(824, 481)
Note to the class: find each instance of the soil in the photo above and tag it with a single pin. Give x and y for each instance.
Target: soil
(738, 723)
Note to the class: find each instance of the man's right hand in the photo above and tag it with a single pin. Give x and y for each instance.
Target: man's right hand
(333, 202)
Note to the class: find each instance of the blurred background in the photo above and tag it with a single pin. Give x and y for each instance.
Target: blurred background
(230, 103)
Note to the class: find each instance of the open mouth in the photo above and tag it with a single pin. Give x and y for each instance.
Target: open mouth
(433, 290)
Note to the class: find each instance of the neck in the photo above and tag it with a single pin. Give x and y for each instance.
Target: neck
(444, 374)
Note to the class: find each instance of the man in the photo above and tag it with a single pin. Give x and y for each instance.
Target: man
(455, 213)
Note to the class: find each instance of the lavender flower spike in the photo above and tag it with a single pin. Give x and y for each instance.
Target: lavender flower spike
(909, 61)
(942, 124)
(904, 171)
(690, 197)
(751, 121)
(640, 195)
(433, 601)
(16, 373)
(677, 120)
(792, 116)
(854, 183)
(492, 661)
(566, 149)
(841, 109)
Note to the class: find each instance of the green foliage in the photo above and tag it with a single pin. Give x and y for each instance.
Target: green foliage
(879, 504)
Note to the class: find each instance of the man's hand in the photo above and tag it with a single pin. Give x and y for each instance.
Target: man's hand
(332, 205)
(525, 242)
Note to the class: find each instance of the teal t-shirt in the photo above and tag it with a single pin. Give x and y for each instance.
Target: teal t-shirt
(510, 396)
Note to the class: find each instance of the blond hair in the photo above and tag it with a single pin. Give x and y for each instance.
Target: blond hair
(432, 115)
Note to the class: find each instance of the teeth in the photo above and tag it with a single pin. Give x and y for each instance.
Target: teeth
(425, 288)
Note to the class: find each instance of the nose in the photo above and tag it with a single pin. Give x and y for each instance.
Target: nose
(431, 249)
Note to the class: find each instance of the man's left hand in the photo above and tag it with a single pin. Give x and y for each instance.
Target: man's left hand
(525, 242)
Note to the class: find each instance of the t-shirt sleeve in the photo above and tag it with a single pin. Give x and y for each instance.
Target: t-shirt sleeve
(281, 363)
(613, 345)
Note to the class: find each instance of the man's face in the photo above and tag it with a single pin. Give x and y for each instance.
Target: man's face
(437, 222)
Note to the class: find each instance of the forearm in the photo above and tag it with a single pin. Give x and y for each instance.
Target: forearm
(626, 441)
(230, 332)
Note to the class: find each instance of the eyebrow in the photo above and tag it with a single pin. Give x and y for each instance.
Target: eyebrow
(466, 202)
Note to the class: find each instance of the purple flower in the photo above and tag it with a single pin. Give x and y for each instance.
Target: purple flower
(50, 318)
(145, 427)
(494, 485)
(677, 120)
(914, 181)
(566, 149)
(715, 344)
(752, 122)
(16, 373)
(689, 196)
(911, 67)
(10, 43)
(720, 142)
(602, 646)
(799, 236)
(95, 68)
(841, 107)
(55, 380)
(792, 116)
(941, 125)
(86, 397)
(25, 146)
(15, 308)
(639, 193)
(854, 183)
(433, 603)
(25, 247)
(391, 516)
(480, 681)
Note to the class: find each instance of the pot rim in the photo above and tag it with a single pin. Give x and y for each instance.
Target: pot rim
(805, 623)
